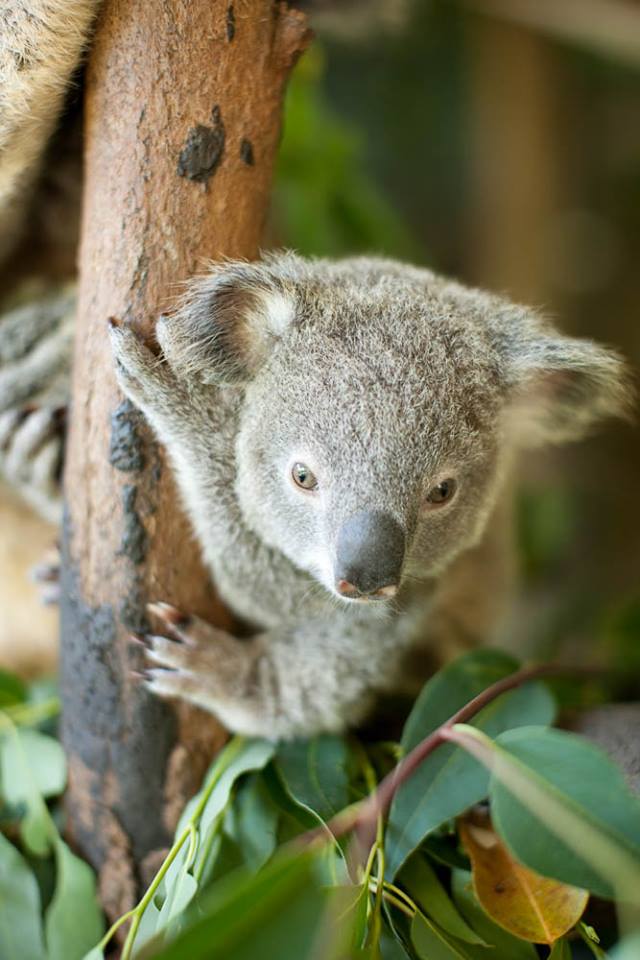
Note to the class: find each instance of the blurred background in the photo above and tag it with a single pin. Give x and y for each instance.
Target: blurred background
(497, 141)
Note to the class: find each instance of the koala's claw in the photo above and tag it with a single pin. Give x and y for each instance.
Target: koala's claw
(196, 661)
(144, 377)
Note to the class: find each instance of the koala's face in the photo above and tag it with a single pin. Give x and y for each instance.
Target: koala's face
(379, 403)
(369, 458)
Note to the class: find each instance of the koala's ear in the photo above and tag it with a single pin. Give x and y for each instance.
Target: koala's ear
(558, 387)
(227, 323)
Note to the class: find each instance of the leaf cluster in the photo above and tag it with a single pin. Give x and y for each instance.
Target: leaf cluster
(490, 848)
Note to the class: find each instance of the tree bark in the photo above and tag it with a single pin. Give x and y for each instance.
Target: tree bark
(183, 106)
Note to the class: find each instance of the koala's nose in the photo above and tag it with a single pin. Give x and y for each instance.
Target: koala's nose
(369, 555)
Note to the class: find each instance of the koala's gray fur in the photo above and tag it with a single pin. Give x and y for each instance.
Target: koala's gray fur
(384, 379)
(41, 43)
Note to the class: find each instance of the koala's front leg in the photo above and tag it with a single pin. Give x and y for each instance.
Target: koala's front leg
(278, 684)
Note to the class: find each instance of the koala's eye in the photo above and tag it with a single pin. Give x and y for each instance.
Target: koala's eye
(441, 493)
(304, 477)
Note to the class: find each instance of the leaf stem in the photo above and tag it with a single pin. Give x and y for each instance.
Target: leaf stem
(190, 833)
(363, 817)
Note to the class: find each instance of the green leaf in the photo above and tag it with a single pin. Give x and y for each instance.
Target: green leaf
(564, 810)
(449, 781)
(315, 773)
(20, 784)
(179, 885)
(44, 757)
(431, 943)
(282, 913)
(12, 689)
(73, 922)
(391, 948)
(421, 882)
(20, 923)
(503, 945)
(560, 950)
(253, 823)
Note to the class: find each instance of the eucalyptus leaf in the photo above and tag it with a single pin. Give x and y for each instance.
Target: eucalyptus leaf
(503, 945)
(12, 689)
(449, 781)
(431, 943)
(391, 948)
(73, 920)
(564, 810)
(254, 825)
(20, 922)
(421, 882)
(44, 757)
(560, 950)
(277, 914)
(20, 784)
(315, 773)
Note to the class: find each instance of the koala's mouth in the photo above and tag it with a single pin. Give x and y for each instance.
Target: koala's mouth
(353, 594)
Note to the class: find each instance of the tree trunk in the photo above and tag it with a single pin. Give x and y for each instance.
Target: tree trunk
(183, 107)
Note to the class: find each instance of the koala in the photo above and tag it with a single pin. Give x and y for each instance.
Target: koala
(343, 435)
(41, 45)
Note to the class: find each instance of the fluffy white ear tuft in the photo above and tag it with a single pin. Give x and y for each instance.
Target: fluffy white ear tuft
(227, 323)
(559, 387)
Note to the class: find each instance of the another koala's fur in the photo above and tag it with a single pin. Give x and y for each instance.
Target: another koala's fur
(383, 380)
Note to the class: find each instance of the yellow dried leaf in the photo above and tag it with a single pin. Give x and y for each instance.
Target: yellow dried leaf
(532, 907)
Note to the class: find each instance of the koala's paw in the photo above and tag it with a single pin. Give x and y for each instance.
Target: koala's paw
(197, 662)
(145, 378)
(31, 455)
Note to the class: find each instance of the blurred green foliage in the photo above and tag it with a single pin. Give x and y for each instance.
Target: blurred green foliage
(324, 203)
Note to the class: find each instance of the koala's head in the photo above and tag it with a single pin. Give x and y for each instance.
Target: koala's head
(380, 404)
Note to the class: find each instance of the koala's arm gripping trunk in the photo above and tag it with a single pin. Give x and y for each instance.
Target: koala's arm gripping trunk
(183, 120)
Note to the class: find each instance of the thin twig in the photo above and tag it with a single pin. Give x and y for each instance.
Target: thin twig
(362, 817)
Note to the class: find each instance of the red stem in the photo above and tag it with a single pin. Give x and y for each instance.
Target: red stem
(363, 817)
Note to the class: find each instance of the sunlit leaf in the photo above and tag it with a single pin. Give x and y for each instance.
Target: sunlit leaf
(420, 880)
(563, 808)
(532, 907)
(448, 782)
(73, 921)
(20, 922)
(503, 945)
(179, 886)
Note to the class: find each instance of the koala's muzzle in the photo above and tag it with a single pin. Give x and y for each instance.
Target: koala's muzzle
(369, 555)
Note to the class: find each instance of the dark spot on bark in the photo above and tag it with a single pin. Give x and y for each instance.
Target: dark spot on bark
(126, 443)
(231, 23)
(134, 541)
(246, 152)
(203, 150)
(132, 609)
(118, 731)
